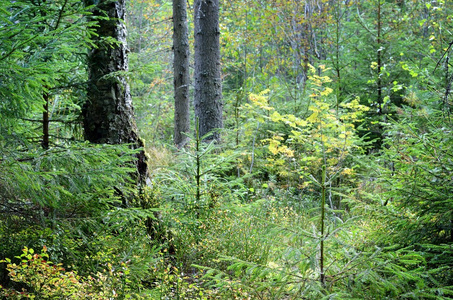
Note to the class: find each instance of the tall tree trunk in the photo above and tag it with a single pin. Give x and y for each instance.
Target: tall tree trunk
(181, 72)
(108, 116)
(379, 59)
(208, 84)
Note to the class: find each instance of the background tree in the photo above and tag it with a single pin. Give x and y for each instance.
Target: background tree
(208, 83)
(181, 75)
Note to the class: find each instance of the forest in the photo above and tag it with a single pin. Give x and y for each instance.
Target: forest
(226, 149)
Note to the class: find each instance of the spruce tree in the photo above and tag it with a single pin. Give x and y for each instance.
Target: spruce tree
(208, 83)
(181, 72)
(108, 115)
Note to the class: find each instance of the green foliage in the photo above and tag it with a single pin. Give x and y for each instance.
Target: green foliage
(61, 198)
(64, 182)
(354, 270)
(419, 152)
(198, 183)
(415, 186)
(42, 48)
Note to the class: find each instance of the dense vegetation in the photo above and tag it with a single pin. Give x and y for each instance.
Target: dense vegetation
(333, 178)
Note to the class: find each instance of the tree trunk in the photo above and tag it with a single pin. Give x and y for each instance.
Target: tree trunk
(379, 60)
(108, 116)
(181, 72)
(208, 84)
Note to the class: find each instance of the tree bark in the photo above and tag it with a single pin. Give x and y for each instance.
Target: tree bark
(108, 115)
(208, 84)
(181, 72)
(379, 60)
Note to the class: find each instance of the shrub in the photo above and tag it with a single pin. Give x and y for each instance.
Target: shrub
(35, 277)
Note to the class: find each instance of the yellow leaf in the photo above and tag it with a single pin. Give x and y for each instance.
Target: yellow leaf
(313, 118)
(275, 117)
(327, 91)
(301, 122)
(273, 146)
(347, 171)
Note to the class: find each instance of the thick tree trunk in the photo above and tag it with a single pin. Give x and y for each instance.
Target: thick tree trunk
(108, 116)
(181, 72)
(208, 84)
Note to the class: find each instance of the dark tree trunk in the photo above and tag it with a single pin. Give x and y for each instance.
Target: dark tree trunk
(108, 116)
(379, 60)
(181, 72)
(208, 84)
